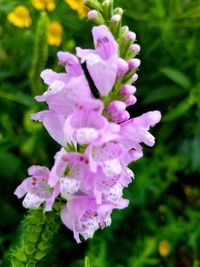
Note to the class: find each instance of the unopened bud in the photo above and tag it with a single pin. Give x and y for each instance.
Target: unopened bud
(115, 25)
(130, 36)
(130, 100)
(119, 11)
(134, 63)
(122, 116)
(135, 48)
(135, 77)
(123, 32)
(122, 67)
(116, 106)
(92, 4)
(128, 89)
(106, 7)
(116, 18)
(95, 16)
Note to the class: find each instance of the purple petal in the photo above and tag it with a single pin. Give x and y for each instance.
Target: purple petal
(104, 42)
(103, 73)
(53, 122)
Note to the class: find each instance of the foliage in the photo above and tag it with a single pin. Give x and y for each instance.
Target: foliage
(164, 198)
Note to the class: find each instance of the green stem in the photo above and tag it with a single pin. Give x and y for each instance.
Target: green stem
(40, 54)
(35, 238)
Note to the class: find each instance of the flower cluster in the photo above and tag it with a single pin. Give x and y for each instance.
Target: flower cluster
(20, 17)
(97, 135)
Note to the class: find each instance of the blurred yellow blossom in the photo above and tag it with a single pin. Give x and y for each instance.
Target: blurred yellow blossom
(55, 33)
(44, 4)
(164, 248)
(79, 7)
(20, 17)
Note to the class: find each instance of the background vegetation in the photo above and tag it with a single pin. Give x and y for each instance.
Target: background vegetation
(160, 228)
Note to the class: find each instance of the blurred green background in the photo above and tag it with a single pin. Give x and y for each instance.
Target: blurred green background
(160, 228)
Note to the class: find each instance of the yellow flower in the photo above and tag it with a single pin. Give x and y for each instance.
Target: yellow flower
(164, 248)
(79, 7)
(20, 17)
(44, 4)
(55, 33)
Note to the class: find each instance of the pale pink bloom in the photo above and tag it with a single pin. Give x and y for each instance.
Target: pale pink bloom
(136, 131)
(84, 216)
(36, 189)
(69, 171)
(103, 61)
(86, 123)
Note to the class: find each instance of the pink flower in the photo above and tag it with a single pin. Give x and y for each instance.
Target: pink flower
(36, 189)
(84, 216)
(69, 171)
(65, 92)
(136, 131)
(103, 61)
(86, 123)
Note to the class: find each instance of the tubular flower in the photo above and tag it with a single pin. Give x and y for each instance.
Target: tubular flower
(79, 7)
(98, 138)
(20, 17)
(44, 4)
(55, 31)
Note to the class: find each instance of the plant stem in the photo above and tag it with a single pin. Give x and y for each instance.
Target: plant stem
(35, 237)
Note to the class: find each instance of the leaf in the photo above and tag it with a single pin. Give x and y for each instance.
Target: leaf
(87, 262)
(9, 164)
(191, 13)
(176, 76)
(162, 94)
(178, 111)
(18, 97)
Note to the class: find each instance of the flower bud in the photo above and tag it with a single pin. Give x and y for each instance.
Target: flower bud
(134, 63)
(130, 100)
(128, 89)
(135, 48)
(116, 106)
(115, 25)
(115, 19)
(119, 11)
(122, 116)
(135, 77)
(123, 32)
(95, 16)
(130, 36)
(106, 7)
(122, 66)
(93, 4)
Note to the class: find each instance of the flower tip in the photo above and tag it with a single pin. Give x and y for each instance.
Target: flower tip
(122, 116)
(128, 89)
(122, 66)
(119, 11)
(116, 107)
(130, 36)
(155, 116)
(134, 63)
(135, 48)
(93, 14)
(135, 77)
(130, 100)
(116, 18)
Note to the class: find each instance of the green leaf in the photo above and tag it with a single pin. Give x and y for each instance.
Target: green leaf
(162, 94)
(87, 262)
(18, 97)
(176, 76)
(178, 111)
